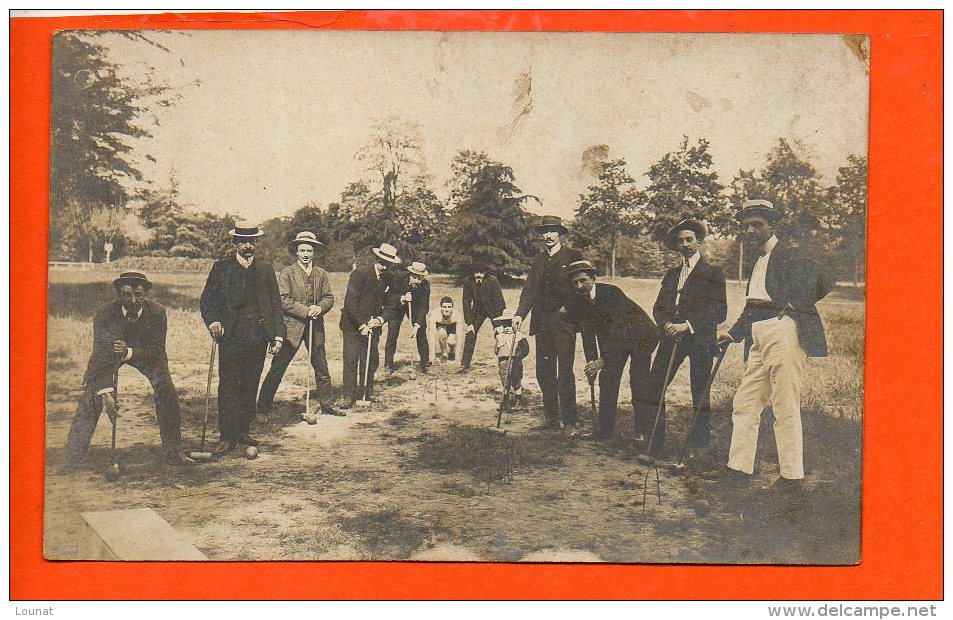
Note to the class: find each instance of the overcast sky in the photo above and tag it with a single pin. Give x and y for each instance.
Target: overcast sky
(278, 116)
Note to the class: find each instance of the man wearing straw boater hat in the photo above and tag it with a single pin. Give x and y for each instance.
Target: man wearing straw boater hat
(130, 330)
(362, 316)
(691, 303)
(615, 330)
(306, 296)
(546, 294)
(242, 310)
(412, 292)
(781, 328)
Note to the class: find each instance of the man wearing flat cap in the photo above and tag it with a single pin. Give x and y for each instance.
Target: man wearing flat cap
(546, 294)
(306, 297)
(128, 331)
(242, 309)
(781, 328)
(691, 304)
(410, 290)
(615, 330)
(366, 309)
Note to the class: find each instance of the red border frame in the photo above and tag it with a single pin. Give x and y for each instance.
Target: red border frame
(902, 514)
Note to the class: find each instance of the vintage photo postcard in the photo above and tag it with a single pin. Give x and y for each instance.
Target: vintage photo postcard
(456, 296)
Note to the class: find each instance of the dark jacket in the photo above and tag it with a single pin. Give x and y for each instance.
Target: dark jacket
(146, 338)
(615, 321)
(484, 299)
(420, 297)
(703, 303)
(221, 297)
(547, 296)
(795, 282)
(365, 298)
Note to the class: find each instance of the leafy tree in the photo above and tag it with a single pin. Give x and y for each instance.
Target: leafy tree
(608, 211)
(95, 115)
(848, 219)
(682, 184)
(489, 229)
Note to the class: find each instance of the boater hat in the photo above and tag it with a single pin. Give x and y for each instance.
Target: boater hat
(762, 208)
(580, 266)
(306, 236)
(696, 226)
(135, 278)
(243, 229)
(387, 252)
(506, 317)
(418, 269)
(552, 221)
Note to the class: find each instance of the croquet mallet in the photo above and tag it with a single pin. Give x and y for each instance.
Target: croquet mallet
(309, 417)
(201, 455)
(645, 458)
(114, 470)
(679, 465)
(366, 401)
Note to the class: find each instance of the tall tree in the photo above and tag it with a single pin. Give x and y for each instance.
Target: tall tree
(95, 115)
(489, 229)
(682, 184)
(848, 219)
(609, 210)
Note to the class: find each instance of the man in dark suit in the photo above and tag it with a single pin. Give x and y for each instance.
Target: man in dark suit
(781, 328)
(691, 304)
(546, 294)
(615, 329)
(306, 297)
(131, 331)
(362, 316)
(242, 309)
(482, 300)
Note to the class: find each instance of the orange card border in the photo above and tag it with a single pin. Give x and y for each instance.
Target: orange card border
(902, 537)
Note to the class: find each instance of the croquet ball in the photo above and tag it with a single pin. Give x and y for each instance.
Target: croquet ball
(311, 419)
(251, 452)
(702, 507)
(112, 474)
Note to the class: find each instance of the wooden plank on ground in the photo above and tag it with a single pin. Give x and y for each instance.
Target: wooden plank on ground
(134, 534)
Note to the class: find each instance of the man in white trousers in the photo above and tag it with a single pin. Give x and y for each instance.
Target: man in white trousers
(781, 328)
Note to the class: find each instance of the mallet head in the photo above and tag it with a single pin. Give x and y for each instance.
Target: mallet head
(112, 474)
(251, 453)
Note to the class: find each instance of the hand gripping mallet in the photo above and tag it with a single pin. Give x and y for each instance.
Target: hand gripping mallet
(365, 402)
(679, 466)
(645, 458)
(506, 389)
(203, 456)
(112, 474)
(309, 417)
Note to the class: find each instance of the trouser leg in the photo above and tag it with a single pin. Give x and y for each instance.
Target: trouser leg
(390, 345)
(565, 357)
(469, 342)
(168, 415)
(546, 376)
(659, 368)
(610, 377)
(787, 360)
(749, 402)
(641, 384)
(516, 374)
(81, 431)
(229, 370)
(701, 362)
(423, 347)
(351, 361)
(322, 375)
(279, 365)
(254, 362)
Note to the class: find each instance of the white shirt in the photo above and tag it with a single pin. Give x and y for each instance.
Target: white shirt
(756, 286)
(243, 262)
(688, 264)
(555, 248)
(306, 269)
(125, 314)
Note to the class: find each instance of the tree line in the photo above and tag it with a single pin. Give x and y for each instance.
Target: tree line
(482, 224)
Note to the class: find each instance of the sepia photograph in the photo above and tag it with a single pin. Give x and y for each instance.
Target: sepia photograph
(456, 296)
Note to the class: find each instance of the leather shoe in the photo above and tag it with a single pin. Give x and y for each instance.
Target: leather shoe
(346, 404)
(728, 475)
(222, 447)
(178, 458)
(462, 370)
(247, 440)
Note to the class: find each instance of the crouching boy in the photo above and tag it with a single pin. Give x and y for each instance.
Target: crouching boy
(511, 348)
